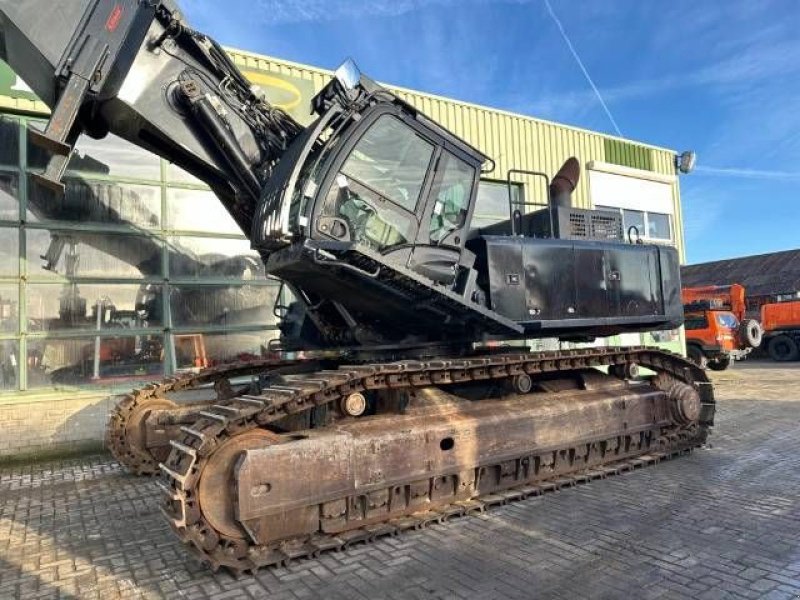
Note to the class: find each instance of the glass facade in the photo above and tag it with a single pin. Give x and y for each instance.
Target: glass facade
(138, 271)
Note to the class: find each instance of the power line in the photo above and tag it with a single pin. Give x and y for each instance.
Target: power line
(582, 67)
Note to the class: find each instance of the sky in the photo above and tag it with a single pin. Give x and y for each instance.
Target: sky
(719, 78)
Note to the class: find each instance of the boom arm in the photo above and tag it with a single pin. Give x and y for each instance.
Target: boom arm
(135, 69)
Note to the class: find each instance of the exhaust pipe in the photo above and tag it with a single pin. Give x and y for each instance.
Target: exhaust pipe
(564, 183)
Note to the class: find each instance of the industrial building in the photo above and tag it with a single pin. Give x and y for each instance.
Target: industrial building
(139, 272)
(766, 278)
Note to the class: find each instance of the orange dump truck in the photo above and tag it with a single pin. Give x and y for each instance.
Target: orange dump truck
(729, 297)
(781, 322)
(717, 331)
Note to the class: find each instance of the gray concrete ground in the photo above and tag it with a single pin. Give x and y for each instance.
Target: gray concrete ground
(721, 523)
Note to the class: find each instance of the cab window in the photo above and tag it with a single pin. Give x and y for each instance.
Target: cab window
(452, 195)
(377, 189)
(391, 160)
(727, 320)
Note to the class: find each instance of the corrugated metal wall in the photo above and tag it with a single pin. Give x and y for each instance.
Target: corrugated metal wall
(22, 105)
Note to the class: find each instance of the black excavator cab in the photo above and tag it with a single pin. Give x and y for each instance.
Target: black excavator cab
(373, 227)
(376, 172)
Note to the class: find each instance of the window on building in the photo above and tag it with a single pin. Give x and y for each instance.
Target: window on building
(192, 209)
(9, 196)
(9, 252)
(203, 258)
(87, 201)
(658, 226)
(634, 218)
(110, 157)
(650, 225)
(788, 297)
(9, 142)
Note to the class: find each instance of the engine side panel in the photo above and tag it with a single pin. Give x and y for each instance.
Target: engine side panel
(563, 285)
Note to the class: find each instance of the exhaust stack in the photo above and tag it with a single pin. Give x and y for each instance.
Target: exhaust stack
(564, 183)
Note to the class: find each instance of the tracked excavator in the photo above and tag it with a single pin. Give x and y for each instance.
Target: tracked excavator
(388, 402)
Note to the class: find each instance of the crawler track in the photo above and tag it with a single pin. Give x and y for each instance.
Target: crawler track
(416, 503)
(125, 427)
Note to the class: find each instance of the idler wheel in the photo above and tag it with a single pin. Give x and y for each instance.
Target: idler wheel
(136, 430)
(354, 405)
(626, 370)
(216, 491)
(522, 383)
(685, 402)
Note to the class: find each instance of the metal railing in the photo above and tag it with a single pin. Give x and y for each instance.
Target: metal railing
(516, 208)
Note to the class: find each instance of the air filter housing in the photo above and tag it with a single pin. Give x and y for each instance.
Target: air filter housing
(574, 224)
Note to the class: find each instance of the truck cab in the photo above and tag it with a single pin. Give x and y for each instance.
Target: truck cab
(781, 322)
(713, 337)
(717, 328)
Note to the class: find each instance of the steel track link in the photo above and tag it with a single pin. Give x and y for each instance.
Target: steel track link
(139, 460)
(183, 467)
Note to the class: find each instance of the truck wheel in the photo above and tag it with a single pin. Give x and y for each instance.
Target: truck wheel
(751, 333)
(783, 348)
(720, 364)
(696, 356)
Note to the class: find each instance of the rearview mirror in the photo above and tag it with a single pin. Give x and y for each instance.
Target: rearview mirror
(348, 74)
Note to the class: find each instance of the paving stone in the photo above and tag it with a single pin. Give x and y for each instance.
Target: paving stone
(720, 523)
(752, 574)
(779, 595)
(788, 581)
(763, 585)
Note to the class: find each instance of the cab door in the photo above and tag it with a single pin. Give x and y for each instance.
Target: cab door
(445, 218)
